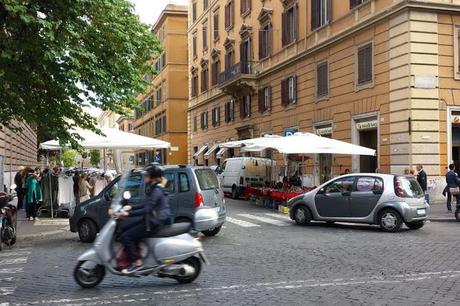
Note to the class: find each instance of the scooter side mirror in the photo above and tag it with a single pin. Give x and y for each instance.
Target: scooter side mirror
(13, 187)
(126, 195)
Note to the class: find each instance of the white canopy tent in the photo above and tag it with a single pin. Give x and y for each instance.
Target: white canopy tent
(112, 139)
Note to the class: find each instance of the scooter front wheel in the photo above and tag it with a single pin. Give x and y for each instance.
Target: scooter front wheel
(88, 277)
(192, 271)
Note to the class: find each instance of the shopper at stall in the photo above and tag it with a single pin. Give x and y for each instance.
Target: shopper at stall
(18, 181)
(84, 188)
(33, 195)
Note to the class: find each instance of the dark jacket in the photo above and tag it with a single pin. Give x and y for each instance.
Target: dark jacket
(452, 179)
(18, 182)
(155, 206)
(422, 179)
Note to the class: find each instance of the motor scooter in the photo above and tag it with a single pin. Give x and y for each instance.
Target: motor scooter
(8, 219)
(172, 252)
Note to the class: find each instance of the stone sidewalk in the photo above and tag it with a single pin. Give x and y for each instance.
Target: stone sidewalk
(41, 228)
(439, 213)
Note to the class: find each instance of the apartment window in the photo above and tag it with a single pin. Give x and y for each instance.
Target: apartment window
(216, 26)
(195, 124)
(229, 59)
(322, 79)
(204, 120)
(265, 99)
(130, 127)
(163, 60)
(321, 11)
(355, 3)
(289, 91)
(194, 12)
(365, 64)
(229, 111)
(245, 107)
(159, 95)
(265, 41)
(215, 71)
(229, 14)
(457, 51)
(204, 78)
(216, 116)
(245, 6)
(205, 4)
(194, 44)
(194, 85)
(205, 36)
(289, 25)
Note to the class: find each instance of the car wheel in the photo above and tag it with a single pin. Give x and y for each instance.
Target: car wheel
(390, 220)
(415, 225)
(234, 193)
(302, 215)
(212, 232)
(457, 215)
(87, 230)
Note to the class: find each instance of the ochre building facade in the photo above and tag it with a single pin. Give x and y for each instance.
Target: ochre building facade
(164, 106)
(380, 73)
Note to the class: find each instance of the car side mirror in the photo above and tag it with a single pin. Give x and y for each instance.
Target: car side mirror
(321, 191)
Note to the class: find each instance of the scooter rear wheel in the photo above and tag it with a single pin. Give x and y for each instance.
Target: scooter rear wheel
(88, 278)
(195, 263)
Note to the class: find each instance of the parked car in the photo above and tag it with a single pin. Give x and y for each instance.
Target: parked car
(189, 187)
(239, 172)
(382, 199)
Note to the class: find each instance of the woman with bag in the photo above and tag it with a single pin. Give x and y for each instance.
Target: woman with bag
(452, 188)
(33, 195)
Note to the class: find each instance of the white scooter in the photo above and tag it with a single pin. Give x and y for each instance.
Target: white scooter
(173, 252)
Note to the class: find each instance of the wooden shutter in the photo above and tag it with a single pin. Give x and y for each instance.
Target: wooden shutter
(296, 21)
(314, 14)
(329, 10)
(262, 43)
(242, 107)
(284, 92)
(295, 89)
(269, 98)
(227, 16)
(218, 115)
(261, 100)
(216, 26)
(242, 6)
(284, 28)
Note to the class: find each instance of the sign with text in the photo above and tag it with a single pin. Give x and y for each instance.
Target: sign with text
(290, 131)
(366, 125)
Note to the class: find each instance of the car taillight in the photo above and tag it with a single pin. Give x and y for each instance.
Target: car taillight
(199, 200)
(241, 180)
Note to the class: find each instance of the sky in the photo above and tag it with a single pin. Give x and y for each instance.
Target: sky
(148, 11)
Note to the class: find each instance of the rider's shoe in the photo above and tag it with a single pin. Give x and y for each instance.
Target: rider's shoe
(131, 269)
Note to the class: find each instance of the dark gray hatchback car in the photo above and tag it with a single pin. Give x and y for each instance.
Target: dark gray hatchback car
(189, 188)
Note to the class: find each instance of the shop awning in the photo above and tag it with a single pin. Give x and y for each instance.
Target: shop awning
(200, 151)
(221, 153)
(300, 143)
(208, 154)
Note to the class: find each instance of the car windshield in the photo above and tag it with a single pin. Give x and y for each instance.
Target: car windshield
(407, 187)
(207, 179)
(131, 182)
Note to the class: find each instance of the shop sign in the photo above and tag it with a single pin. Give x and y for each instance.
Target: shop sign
(290, 131)
(367, 125)
(325, 130)
(425, 81)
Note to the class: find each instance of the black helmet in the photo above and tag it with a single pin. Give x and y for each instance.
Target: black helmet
(153, 170)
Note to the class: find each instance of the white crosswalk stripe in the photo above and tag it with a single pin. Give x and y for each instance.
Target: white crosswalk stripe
(264, 219)
(278, 216)
(241, 222)
(11, 270)
(7, 290)
(14, 254)
(13, 261)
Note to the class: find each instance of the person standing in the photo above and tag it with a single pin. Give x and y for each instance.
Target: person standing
(84, 188)
(33, 195)
(19, 190)
(452, 184)
(422, 180)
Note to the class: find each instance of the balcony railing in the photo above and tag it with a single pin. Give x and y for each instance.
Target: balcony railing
(235, 71)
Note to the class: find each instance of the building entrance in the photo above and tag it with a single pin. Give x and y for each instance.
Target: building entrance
(368, 137)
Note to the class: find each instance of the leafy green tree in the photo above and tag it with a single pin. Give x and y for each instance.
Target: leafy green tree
(59, 56)
(95, 157)
(69, 158)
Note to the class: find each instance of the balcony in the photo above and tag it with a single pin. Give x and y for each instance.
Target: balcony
(239, 80)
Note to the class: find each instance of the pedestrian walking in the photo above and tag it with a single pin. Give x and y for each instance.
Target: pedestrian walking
(33, 195)
(422, 180)
(452, 188)
(18, 178)
(84, 188)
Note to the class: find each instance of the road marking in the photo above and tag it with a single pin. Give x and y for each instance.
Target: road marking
(256, 287)
(13, 261)
(11, 270)
(14, 254)
(264, 219)
(278, 216)
(241, 222)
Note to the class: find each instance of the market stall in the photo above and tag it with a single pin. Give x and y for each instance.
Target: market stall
(299, 145)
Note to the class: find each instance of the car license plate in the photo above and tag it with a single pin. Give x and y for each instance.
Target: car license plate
(421, 212)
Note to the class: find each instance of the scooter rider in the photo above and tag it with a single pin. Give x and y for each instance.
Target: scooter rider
(155, 208)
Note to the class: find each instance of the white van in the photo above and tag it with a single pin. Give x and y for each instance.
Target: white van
(239, 172)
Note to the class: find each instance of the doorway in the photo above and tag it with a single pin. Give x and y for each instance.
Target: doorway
(368, 138)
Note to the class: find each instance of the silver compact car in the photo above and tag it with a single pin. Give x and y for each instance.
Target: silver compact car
(382, 199)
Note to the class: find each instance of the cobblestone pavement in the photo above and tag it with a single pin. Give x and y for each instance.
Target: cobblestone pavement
(259, 258)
